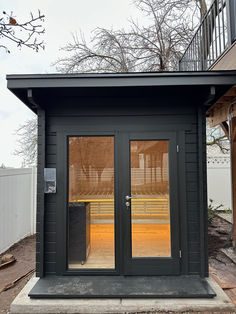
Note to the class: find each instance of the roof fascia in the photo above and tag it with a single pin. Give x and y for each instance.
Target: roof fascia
(122, 80)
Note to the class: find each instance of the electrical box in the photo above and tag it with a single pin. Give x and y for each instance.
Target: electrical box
(50, 182)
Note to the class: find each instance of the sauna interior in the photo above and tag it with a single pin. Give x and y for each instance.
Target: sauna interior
(91, 210)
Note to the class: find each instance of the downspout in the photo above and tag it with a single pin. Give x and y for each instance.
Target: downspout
(34, 105)
(210, 96)
(40, 185)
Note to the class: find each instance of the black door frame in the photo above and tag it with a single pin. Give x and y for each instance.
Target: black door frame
(151, 265)
(121, 249)
(62, 205)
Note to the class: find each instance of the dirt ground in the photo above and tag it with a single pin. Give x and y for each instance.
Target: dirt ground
(218, 236)
(221, 267)
(24, 252)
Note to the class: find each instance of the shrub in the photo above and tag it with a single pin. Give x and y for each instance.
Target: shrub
(212, 210)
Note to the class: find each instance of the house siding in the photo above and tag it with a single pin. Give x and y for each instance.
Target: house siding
(40, 195)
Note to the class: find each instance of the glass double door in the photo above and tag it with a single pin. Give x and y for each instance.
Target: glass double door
(122, 204)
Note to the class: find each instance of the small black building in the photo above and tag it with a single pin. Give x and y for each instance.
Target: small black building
(122, 193)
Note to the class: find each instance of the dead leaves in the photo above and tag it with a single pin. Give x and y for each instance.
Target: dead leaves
(12, 21)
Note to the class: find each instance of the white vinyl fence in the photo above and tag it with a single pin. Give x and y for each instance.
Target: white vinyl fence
(17, 205)
(219, 181)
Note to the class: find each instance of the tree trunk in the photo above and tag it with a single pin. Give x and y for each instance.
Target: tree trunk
(203, 8)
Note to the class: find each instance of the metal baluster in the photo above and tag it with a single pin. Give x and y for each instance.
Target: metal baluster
(187, 63)
(214, 9)
(208, 56)
(191, 57)
(223, 20)
(199, 51)
(196, 49)
(205, 43)
(193, 54)
(212, 39)
(218, 9)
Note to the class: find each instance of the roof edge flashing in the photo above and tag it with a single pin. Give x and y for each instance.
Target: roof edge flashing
(28, 81)
(120, 75)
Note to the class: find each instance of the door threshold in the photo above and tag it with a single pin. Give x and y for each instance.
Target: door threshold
(122, 287)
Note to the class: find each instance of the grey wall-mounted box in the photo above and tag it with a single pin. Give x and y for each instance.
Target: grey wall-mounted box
(50, 182)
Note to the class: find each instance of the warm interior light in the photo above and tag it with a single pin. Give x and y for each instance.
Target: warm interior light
(150, 215)
(91, 180)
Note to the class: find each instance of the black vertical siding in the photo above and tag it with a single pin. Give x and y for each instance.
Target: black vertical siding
(40, 195)
(185, 119)
(192, 189)
(205, 202)
(50, 208)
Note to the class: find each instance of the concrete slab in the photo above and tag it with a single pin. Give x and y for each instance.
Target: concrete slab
(61, 287)
(24, 305)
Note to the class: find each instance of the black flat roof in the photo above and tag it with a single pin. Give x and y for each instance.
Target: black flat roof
(121, 79)
(55, 83)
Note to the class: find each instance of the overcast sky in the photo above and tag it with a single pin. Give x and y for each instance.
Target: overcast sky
(62, 18)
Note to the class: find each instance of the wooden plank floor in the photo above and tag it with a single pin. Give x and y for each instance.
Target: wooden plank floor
(149, 240)
(101, 253)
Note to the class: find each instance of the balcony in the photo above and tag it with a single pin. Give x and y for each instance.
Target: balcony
(214, 38)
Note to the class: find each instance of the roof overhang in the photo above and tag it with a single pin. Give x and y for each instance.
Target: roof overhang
(213, 84)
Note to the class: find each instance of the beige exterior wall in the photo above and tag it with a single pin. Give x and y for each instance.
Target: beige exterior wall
(227, 61)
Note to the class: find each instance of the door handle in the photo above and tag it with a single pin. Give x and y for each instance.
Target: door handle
(130, 197)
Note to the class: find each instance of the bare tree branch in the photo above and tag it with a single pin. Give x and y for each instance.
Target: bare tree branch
(216, 137)
(21, 33)
(27, 142)
(156, 47)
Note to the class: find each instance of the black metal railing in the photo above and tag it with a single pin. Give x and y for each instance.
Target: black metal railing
(215, 34)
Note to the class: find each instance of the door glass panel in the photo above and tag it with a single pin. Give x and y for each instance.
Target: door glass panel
(91, 202)
(150, 211)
